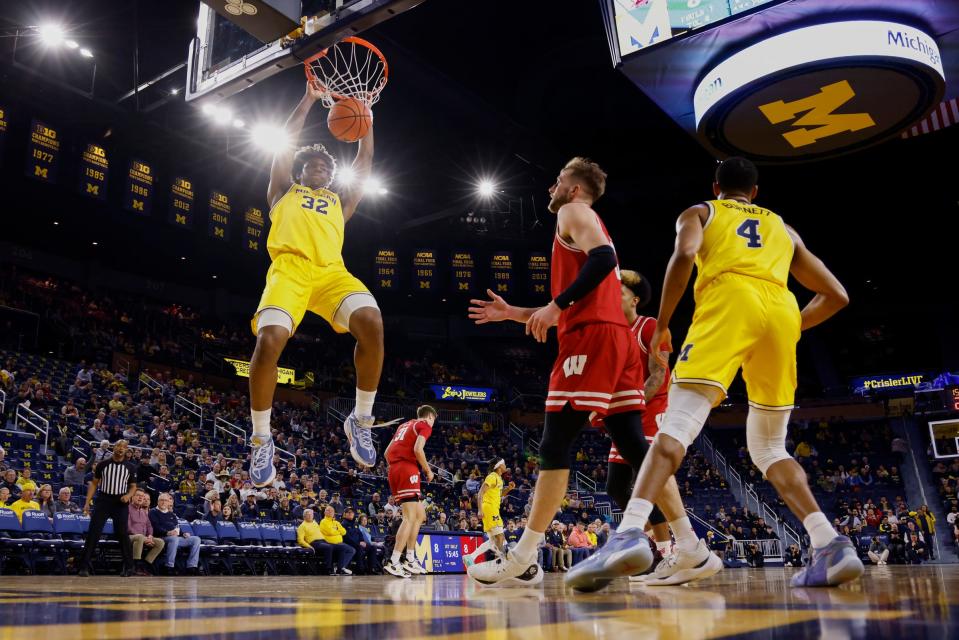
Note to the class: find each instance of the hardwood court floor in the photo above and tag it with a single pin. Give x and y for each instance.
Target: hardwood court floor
(906, 603)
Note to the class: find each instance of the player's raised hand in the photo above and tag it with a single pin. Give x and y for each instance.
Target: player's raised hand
(539, 323)
(662, 344)
(314, 91)
(493, 310)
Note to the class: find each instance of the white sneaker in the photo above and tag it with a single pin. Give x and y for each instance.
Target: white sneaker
(396, 570)
(681, 567)
(641, 579)
(506, 571)
(414, 568)
(345, 572)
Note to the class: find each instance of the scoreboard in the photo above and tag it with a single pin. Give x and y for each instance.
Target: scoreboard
(444, 552)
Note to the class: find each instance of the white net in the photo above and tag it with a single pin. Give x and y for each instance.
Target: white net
(352, 68)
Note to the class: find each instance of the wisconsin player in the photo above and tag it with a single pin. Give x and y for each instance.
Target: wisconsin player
(745, 317)
(596, 370)
(305, 243)
(405, 455)
(489, 499)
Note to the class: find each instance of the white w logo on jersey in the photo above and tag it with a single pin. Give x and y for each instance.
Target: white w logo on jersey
(573, 366)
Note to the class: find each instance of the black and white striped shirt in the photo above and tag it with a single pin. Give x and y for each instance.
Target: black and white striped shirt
(114, 477)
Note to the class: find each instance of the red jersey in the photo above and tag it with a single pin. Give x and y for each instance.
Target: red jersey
(602, 304)
(643, 329)
(401, 447)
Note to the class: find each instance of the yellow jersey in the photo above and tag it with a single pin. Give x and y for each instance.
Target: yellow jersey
(744, 239)
(308, 223)
(494, 493)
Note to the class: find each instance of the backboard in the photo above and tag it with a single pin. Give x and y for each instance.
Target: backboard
(224, 59)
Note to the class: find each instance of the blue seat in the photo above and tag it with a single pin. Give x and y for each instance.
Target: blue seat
(47, 545)
(227, 532)
(72, 529)
(12, 541)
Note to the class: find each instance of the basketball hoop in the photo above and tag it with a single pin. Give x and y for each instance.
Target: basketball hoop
(351, 68)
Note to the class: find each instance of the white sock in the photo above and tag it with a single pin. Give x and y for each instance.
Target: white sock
(819, 529)
(663, 548)
(364, 402)
(636, 514)
(480, 550)
(686, 539)
(525, 549)
(261, 422)
(395, 558)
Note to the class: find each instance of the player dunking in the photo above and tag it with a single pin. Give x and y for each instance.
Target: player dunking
(305, 244)
(405, 455)
(745, 317)
(489, 498)
(596, 370)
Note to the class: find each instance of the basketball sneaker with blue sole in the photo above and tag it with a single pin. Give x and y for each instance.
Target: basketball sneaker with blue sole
(262, 471)
(831, 565)
(626, 553)
(358, 432)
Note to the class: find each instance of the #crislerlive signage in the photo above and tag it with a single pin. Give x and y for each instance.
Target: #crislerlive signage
(872, 384)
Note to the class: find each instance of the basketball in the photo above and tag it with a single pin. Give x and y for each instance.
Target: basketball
(349, 119)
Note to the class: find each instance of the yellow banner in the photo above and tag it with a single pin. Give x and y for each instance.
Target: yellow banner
(242, 367)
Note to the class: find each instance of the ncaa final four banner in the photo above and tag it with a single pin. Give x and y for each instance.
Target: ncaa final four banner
(463, 267)
(501, 266)
(538, 272)
(424, 270)
(253, 234)
(138, 196)
(384, 264)
(94, 172)
(181, 202)
(219, 207)
(43, 152)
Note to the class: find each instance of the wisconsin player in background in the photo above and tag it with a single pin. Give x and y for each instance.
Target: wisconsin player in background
(745, 317)
(488, 500)
(306, 243)
(405, 456)
(596, 370)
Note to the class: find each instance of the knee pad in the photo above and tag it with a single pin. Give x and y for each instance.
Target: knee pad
(559, 432)
(766, 437)
(689, 406)
(271, 316)
(626, 431)
(350, 304)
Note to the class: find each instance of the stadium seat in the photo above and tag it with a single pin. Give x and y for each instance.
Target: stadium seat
(47, 546)
(12, 541)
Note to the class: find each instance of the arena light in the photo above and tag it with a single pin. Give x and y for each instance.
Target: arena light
(174, 92)
(71, 44)
(345, 176)
(86, 53)
(239, 124)
(51, 35)
(208, 109)
(486, 188)
(374, 186)
(269, 137)
(222, 115)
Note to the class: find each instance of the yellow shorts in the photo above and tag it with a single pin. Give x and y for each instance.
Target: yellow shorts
(491, 522)
(295, 285)
(749, 323)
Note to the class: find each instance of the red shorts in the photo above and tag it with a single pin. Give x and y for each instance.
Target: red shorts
(597, 370)
(404, 477)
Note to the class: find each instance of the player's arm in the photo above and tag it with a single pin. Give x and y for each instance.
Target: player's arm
(419, 452)
(479, 499)
(813, 274)
(496, 309)
(689, 239)
(577, 222)
(362, 166)
(281, 177)
(657, 372)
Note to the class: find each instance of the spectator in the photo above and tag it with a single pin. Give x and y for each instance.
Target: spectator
(391, 508)
(579, 543)
(793, 556)
(25, 481)
(10, 482)
(48, 505)
(230, 514)
(98, 433)
(878, 552)
(3, 465)
(69, 410)
(166, 524)
(25, 503)
(130, 433)
(378, 547)
(337, 504)
(365, 553)
(62, 442)
(915, 550)
(214, 514)
(927, 526)
(102, 452)
(5, 497)
(309, 535)
(440, 524)
(76, 476)
(603, 534)
(754, 556)
(897, 545)
(333, 533)
(141, 533)
(188, 485)
(374, 505)
(249, 510)
(64, 504)
(283, 511)
(559, 556)
(162, 483)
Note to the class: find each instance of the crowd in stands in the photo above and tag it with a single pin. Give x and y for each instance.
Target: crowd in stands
(945, 474)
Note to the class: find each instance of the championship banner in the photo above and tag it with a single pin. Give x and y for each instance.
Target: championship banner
(538, 270)
(139, 191)
(879, 384)
(219, 207)
(181, 202)
(43, 152)
(242, 368)
(94, 171)
(254, 229)
(501, 265)
(3, 129)
(424, 270)
(464, 271)
(457, 393)
(385, 265)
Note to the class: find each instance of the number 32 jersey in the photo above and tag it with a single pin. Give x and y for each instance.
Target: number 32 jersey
(308, 223)
(744, 239)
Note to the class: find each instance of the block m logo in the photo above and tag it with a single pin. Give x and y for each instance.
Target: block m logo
(820, 116)
(137, 205)
(573, 366)
(40, 172)
(93, 189)
(180, 219)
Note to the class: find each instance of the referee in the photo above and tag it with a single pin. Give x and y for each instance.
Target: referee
(116, 480)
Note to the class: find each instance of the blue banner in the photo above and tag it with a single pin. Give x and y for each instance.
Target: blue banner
(456, 393)
(867, 385)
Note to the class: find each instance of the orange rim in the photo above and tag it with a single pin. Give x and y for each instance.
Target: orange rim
(318, 84)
